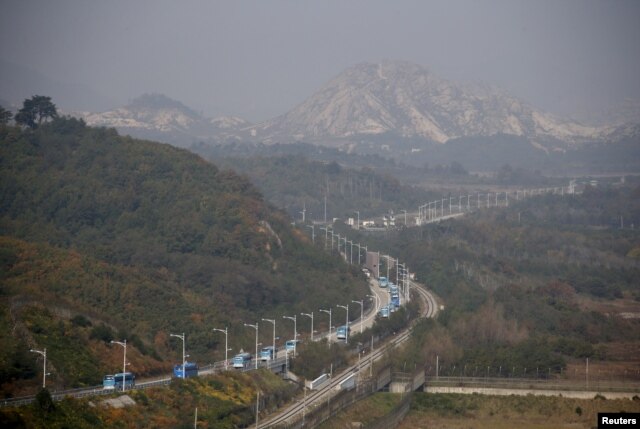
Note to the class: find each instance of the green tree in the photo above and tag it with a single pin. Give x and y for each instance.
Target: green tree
(44, 400)
(5, 115)
(36, 110)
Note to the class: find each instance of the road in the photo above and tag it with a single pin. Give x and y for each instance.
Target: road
(430, 309)
(281, 358)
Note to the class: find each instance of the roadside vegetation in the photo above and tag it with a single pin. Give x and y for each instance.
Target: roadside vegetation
(104, 237)
(531, 290)
(224, 401)
(497, 412)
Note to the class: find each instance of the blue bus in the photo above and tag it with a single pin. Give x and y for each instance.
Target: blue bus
(383, 281)
(395, 300)
(393, 288)
(291, 345)
(267, 353)
(343, 332)
(242, 360)
(384, 312)
(108, 382)
(190, 367)
(128, 378)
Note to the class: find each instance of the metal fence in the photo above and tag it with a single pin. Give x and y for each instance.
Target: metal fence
(535, 383)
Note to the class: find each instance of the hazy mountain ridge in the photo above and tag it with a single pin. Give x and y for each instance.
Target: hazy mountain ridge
(369, 99)
(157, 116)
(409, 100)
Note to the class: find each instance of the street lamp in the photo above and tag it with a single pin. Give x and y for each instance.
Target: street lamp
(358, 225)
(124, 360)
(326, 236)
(361, 302)
(313, 233)
(274, 335)
(310, 315)
(226, 345)
(44, 366)
(295, 332)
(182, 337)
(256, 328)
(346, 337)
(329, 313)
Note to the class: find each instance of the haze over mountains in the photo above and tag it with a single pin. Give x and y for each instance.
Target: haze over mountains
(399, 99)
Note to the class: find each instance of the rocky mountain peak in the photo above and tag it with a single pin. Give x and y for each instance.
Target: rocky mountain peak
(408, 100)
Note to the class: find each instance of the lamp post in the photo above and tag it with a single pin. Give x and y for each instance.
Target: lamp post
(329, 313)
(226, 345)
(313, 233)
(361, 302)
(388, 265)
(310, 315)
(184, 371)
(358, 225)
(346, 337)
(275, 354)
(326, 236)
(256, 328)
(295, 332)
(351, 252)
(124, 360)
(44, 365)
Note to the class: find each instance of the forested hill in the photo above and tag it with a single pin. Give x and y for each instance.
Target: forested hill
(294, 182)
(147, 239)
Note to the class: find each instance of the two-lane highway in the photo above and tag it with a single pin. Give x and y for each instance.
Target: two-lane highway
(294, 410)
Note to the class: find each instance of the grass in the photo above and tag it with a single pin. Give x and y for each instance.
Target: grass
(366, 411)
(456, 411)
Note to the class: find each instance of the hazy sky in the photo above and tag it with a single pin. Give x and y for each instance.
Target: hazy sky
(257, 59)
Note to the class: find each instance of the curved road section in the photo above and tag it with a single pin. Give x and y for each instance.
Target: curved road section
(429, 310)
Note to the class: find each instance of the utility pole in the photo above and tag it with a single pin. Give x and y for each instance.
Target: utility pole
(275, 354)
(226, 345)
(346, 307)
(325, 209)
(124, 360)
(295, 332)
(256, 328)
(313, 233)
(329, 313)
(184, 356)
(310, 315)
(44, 366)
(361, 303)
(351, 253)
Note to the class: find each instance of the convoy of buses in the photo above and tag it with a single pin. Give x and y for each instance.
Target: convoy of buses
(244, 360)
(394, 293)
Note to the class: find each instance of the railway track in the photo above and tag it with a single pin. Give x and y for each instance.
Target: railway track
(296, 409)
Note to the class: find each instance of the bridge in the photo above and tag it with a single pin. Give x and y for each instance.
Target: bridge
(439, 210)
